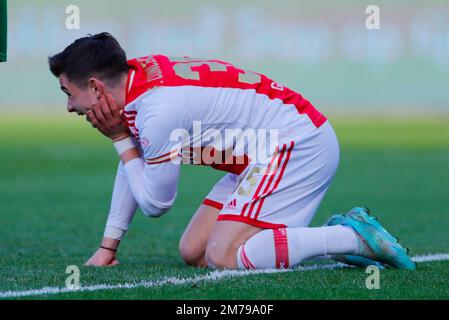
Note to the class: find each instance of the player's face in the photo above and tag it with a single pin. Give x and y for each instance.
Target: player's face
(79, 99)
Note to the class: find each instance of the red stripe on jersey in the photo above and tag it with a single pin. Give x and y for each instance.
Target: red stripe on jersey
(218, 159)
(159, 70)
(147, 74)
(158, 162)
(281, 248)
(133, 129)
(129, 118)
(164, 155)
(208, 76)
(129, 123)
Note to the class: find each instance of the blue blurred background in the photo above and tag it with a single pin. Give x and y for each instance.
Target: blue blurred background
(322, 49)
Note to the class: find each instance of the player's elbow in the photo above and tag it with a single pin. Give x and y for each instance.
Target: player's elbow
(154, 212)
(155, 199)
(155, 209)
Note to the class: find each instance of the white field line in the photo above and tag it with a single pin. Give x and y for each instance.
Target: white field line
(211, 276)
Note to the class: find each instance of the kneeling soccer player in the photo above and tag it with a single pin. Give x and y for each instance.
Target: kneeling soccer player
(161, 111)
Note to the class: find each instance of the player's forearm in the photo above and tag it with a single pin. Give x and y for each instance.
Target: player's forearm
(123, 207)
(154, 194)
(134, 168)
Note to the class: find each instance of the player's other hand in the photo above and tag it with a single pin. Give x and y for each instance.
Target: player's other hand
(102, 258)
(106, 117)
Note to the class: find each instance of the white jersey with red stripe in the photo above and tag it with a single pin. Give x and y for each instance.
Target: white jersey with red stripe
(182, 110)
(206, 98)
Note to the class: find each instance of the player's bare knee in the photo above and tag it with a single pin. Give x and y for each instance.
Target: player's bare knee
(190, 253)
(219, 259)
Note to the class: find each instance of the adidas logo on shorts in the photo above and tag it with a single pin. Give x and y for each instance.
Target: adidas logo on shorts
(232, 204)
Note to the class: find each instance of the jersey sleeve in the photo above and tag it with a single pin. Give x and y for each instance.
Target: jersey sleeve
(123, 206)
(154, 181)
(162, 133)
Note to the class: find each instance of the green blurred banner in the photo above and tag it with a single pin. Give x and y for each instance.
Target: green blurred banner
(325, 50)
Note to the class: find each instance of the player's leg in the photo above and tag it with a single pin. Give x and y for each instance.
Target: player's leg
(268, 244)
(192, 245)
(225, 239)
(286, 247)
(287, 192)
(257, 244)
(238, 245)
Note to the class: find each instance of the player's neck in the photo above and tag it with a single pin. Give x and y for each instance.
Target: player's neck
(118, 91)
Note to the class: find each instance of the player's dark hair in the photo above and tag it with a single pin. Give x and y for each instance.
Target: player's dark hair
(99, 54)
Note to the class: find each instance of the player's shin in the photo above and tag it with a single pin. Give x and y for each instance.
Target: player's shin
(286, 247)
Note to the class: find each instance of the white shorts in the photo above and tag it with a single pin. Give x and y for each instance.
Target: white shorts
(287, 191)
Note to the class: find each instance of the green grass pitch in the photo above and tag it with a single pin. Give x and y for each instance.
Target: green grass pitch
(56, 178)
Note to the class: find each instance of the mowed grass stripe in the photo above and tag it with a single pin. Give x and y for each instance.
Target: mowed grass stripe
(212, 276)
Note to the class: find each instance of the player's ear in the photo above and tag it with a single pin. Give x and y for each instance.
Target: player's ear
(97, 86)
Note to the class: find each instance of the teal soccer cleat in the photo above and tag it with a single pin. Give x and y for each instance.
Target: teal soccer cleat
(357, 261)
(375, 242)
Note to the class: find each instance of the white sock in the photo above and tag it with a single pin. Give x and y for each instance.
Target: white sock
(341, 240)
(284, 247)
